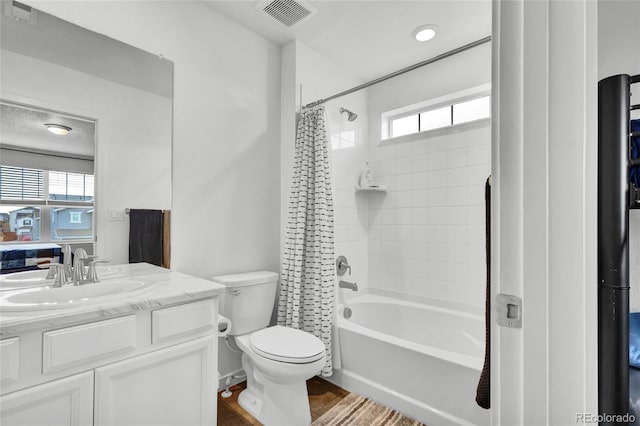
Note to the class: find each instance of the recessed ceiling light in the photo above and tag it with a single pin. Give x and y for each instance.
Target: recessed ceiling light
(58, 129)
(424, 32)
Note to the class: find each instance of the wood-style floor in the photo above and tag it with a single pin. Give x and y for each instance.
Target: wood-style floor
(322, 397)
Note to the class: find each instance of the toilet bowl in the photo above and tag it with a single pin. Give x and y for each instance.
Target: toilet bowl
(277, 371)
(278, 360)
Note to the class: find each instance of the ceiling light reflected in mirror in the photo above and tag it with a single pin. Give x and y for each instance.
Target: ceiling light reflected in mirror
(58, 129)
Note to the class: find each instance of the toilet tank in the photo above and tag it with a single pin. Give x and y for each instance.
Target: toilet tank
(249, 300)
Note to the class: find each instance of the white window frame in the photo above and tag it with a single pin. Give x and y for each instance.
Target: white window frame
(451, 99)
(75, 217)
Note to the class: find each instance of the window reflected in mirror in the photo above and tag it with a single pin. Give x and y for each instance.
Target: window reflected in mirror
(46, 178)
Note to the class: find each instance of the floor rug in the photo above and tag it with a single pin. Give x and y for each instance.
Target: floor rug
(356, 410)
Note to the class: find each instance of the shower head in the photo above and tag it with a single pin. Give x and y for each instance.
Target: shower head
(350, 115)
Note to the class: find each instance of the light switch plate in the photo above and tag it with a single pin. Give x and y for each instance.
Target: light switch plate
(116, 215)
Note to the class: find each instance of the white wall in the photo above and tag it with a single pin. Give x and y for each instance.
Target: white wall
(321, 78)
(226, 130)
(619, 53)
(426, 235)
(133, 129)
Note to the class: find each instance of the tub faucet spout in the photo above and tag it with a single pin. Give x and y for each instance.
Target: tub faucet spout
(347, 284)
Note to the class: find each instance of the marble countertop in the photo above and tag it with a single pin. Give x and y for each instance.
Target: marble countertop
(169, 288)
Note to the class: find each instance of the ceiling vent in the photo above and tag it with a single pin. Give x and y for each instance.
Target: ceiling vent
(288, 12)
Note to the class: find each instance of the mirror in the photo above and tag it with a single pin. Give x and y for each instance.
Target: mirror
(61, 73)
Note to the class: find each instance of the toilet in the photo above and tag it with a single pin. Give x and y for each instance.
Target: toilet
(278, 360)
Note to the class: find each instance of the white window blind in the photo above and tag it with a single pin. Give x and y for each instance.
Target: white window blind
(70, 186)
(17, 183)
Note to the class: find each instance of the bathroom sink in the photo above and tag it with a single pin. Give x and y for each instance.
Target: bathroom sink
(39, 278)
(45, 298)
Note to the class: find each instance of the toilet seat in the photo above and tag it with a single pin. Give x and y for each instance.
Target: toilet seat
(288, 345)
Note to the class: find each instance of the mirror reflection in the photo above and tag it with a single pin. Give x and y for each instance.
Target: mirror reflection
(46, 176)
(75, 186)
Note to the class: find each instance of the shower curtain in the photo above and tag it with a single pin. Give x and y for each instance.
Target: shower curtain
(307, 286)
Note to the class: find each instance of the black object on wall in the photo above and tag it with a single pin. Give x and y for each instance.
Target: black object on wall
(483, 391)
(613, 246)
(145, 236)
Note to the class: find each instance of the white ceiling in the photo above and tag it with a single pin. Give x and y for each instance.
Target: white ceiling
(371, 38)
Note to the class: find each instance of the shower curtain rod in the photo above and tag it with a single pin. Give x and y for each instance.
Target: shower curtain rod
(404, 70)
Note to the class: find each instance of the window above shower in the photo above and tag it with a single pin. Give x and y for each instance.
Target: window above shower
(444, 113)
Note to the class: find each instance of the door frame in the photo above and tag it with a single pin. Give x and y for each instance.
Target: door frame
(544, 159)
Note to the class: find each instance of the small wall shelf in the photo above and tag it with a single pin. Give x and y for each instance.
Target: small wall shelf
(372, 189)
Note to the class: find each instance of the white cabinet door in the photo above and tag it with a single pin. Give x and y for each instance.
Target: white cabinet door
(172, 386)
(67, 401)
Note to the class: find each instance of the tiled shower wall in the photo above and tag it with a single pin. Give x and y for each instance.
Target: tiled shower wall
(427, 233)
(348, 156)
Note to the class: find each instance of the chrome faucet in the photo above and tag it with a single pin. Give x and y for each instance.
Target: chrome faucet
(79, 257)
(67, 261)
(79, 273)
(92, 274)
(51, 272)
(58, 271)
(342, 265)
(347, 284)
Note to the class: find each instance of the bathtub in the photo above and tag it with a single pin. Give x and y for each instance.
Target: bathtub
(422, 360)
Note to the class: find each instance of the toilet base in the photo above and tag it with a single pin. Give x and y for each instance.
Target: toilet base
(277, 404)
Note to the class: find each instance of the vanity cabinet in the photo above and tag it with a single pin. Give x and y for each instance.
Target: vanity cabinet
(155, 366)
(177, 386)
(67, 401)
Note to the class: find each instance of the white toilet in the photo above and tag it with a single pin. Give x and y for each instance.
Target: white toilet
(278, 360)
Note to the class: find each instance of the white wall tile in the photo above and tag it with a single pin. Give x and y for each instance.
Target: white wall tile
(438, 215)
(475, 195)
(457, 215)
(438, 197)
(403, 181)
(402, 198)
(419, 215)
(436, 161)
(437, 179)
(457, 196)
(403, 216)
(420, 146)
(478, 155)
(456, 177)
(420, 198)
(475, 215)
(419, 163)
(419, 180)
(426, 235)
(438, 145)
(403, 149)
(456, 158)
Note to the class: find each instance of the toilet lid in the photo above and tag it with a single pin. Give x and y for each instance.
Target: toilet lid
(287, 345)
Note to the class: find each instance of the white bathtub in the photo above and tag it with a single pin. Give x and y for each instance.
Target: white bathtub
(422, 360)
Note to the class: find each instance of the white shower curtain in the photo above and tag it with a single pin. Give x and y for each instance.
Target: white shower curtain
(307, 287)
